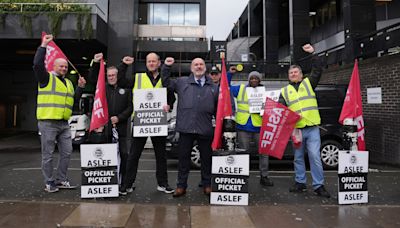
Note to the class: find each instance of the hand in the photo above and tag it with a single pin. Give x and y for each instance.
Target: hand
(232, 69)
(128, 60)
(97, 57)
(308, 48)
(114, 120)
(46, 40)
(81, 82)
(166, 108)
(169, 61)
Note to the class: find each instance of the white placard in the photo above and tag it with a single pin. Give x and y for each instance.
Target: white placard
(353, 177)
(99, 164)
(231, 165)
(255, 98)
(99, 155)
(271, 94)
(374, 95)
(149, 117)
(230, 175)
(224, 198)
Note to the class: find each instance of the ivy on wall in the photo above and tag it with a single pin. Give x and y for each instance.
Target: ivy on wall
(55, 12)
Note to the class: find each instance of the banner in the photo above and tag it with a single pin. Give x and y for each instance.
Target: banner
(277, 126)
(100, 107)
(150, 118)
(224, 108)
(352, 106)
(53, 52)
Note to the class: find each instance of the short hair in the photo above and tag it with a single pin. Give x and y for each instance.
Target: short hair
(112, 68)
(158, 57)
(294, 66)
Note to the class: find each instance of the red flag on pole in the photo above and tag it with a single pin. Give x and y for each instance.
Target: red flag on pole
(277, 125)
(224, 108)
(352, 106)
(100, 107)
(53, 52)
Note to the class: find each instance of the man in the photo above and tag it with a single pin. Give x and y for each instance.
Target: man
(215, 75)
(248, 125)
(148, 80)
(197, 103)
(119, 102)
(299, 96)
(54, 107)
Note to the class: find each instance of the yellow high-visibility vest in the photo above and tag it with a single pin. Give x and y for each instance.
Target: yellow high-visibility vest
(303, 102)
(242, 112)
(56, 100)
(142, 81)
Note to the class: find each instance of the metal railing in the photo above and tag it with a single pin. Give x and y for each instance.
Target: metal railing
(59, 7)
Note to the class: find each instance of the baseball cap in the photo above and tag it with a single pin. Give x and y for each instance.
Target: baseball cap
(214, 69)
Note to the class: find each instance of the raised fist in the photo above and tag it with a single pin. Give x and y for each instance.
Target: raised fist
(128, 60)
(232, 69)
(169, 61)
(308, 48)
(97, 57)
(46, 40)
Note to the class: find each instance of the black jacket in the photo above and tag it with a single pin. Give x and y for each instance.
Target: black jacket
(119, 102)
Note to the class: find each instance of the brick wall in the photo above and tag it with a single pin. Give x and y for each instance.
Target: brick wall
(382, 121)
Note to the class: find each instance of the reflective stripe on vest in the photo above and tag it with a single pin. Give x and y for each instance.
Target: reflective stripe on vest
(242, 112)
(142, 81)
(303, 102)
(55, 101)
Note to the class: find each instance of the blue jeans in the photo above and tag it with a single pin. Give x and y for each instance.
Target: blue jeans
(52, 131)
(312, 141)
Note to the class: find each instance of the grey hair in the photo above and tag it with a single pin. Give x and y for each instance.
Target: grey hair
(294, 67)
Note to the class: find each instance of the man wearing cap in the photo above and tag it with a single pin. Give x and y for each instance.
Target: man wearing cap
(248, 124)
(215, 75)
(299, 96)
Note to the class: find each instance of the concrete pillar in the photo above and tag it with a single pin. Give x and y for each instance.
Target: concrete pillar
(299, 27)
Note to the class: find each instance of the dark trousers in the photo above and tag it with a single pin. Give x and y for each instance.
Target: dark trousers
(184, 149)
(123, 153)
(137, 147)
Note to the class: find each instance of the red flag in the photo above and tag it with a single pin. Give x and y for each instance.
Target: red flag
(277, 126)
(53, 52)
(100, 107)
(224, 108)
(352, 106)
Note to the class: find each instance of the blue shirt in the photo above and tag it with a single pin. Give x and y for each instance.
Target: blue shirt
(235, 92)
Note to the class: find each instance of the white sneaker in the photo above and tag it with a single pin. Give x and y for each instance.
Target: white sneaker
(165, 189)
(51, 187)
(65, 185)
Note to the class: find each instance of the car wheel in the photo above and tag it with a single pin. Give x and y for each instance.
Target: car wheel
(195, 156)
(330, 153)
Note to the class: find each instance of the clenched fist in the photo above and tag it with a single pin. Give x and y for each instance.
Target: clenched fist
(97, 57)
(308, 48)
(46, 40)
(169, 61)
(128, 60)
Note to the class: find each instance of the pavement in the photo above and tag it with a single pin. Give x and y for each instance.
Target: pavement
(23, 203)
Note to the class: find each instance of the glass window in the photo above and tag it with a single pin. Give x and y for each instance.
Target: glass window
(160, 14)
(176, 15)
(192, 14)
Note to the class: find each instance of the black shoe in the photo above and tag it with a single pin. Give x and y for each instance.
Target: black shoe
(298, 187)
(122, 191)
(265, 181)
(321, 191)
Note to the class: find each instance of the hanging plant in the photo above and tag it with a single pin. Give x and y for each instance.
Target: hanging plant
(56, 19)
(26, 23)
(88, 31)
(79, 25)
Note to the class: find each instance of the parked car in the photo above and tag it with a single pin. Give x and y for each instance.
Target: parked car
(330, 100)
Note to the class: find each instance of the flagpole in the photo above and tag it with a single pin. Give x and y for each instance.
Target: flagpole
(74, 68)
